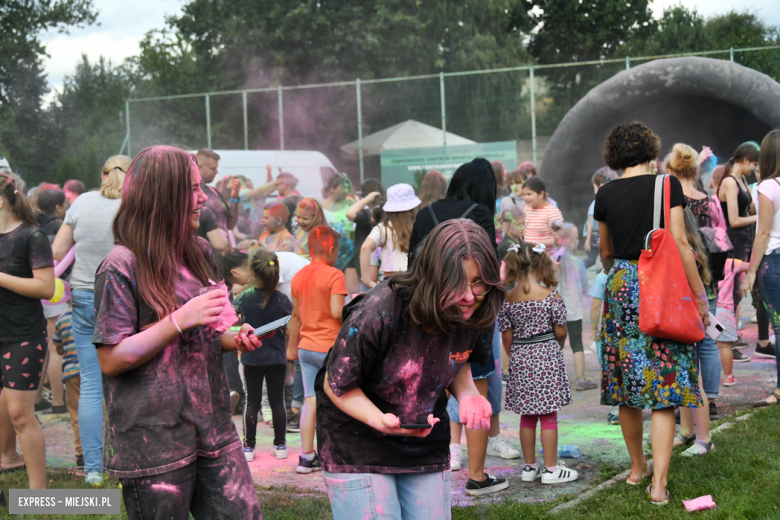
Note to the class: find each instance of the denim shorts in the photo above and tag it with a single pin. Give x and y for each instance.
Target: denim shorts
(311, 362)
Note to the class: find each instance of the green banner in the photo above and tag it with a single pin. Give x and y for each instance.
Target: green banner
(410, 165)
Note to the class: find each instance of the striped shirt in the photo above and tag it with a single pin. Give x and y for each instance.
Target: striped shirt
(538, 221)
(63, 336)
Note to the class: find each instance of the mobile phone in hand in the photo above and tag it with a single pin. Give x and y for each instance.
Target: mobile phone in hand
(715, 328)
(416, 426)
(272, 327)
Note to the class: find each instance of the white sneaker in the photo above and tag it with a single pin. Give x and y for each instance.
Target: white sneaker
(280, 452)
(455, 452)
(94, 478)
(501, 448)
(531, 473)
(562, 474)
(249, 453)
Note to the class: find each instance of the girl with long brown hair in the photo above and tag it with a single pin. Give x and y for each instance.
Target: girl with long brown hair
(26, 277)
(160, 333)
(403, 344)
(391, 235)
(432, 188)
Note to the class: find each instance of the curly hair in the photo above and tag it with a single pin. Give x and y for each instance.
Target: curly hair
(522, 262)
(630, 144)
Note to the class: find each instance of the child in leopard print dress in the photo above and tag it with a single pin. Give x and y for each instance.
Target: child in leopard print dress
(532, 322)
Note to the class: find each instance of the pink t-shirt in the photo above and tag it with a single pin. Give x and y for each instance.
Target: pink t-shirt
(538, 222)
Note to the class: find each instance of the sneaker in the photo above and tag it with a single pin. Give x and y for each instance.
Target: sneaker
(739, 357)
(80, 461)
(294, 423)
(586, 384)
(235, 397)
(455, 452)
(501, 448)
(713, 411)
(561, 474)
(249, 453)
(768, 351)
(306, 466)
(613, 419)
(739, 344)
(531, 473)
(94, 478)
(280, 452)
(43, 405)
(491, 484)
(729, 380)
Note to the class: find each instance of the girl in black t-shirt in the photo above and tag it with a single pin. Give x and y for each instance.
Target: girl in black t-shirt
(401, 346)
(26, 277)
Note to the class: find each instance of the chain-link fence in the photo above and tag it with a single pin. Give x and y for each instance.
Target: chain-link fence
(523, 104)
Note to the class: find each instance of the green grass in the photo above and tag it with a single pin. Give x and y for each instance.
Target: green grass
(743, 477)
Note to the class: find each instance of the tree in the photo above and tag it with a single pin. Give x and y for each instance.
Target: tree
(25, 131)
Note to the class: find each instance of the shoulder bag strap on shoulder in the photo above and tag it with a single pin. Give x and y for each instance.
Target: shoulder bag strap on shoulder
(657, 201)
(433, 215)
(667, 201)
(469, 210)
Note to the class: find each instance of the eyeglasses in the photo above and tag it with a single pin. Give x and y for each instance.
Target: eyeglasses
(479, 288)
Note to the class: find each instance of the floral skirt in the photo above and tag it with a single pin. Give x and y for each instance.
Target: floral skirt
(636, 369)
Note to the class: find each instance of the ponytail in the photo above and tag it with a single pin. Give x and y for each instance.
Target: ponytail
(264, 266)
(749, 150)
(16, 199)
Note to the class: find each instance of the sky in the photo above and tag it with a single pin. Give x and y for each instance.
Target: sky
(124, 24)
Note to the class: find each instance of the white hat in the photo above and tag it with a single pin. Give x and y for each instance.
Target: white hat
(400, 197)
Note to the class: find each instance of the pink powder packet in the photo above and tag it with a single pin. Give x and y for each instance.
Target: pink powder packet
(699, 504)
(228, 316)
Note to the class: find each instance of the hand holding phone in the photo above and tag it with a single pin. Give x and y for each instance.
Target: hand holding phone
(269, 328)
(715, 328)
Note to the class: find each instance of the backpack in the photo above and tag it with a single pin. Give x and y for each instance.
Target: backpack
(413, 254)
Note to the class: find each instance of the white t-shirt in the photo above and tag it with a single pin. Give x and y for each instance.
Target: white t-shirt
(289, 265)
(393, 260)
(770, 188)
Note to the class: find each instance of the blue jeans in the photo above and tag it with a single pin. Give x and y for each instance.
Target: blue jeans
(91, 398)
(769, 286)
(297, 400)
(407, 496)
(709, 361)
(311, 363)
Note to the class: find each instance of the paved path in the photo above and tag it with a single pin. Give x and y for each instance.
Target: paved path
(582, 423)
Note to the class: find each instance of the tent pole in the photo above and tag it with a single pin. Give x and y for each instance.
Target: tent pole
(360, 129)
(443, 110)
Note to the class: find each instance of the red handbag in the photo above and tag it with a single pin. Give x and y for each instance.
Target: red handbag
(667, 306)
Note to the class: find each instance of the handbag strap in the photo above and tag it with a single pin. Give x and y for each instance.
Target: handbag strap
(657, 198)
(667, 201)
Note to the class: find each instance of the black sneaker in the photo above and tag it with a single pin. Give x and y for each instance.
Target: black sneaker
(768, 351)
(739, 357)
(80, 461)
(294, 423)
(307, 466)
(491, 484)
(57, 409)
(713, 411)
(740, 344)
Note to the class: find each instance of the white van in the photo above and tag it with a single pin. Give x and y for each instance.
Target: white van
(312, 169)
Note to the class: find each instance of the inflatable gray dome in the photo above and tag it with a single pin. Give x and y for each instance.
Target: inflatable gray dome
(697, 101)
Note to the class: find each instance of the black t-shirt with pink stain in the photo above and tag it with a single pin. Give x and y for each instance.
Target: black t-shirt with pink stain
(218, 207)
(21, 251)
(403, 370)
(176, 407)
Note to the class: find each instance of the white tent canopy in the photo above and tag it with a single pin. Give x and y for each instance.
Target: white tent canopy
(409, 134)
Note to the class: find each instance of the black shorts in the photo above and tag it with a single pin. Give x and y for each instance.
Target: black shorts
(21, 363)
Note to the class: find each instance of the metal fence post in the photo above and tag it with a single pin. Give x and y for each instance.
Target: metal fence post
(533, 115)
(443, 110)
(127, 124)
(360, 129)
(281, 119)
(628, 62)
(731, 53)
(246, 123)
(208, 121)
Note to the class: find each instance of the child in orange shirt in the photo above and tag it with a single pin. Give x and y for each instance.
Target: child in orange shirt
(276, 237)
(318, 292)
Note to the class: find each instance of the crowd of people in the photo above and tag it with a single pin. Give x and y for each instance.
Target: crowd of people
(413, 312)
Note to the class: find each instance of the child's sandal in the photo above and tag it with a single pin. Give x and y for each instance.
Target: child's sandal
(700, 448)
(682, 440)
(649, 491)
(769, 401)
(646, 475)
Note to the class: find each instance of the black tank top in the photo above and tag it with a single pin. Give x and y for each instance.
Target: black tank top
(743, 203)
